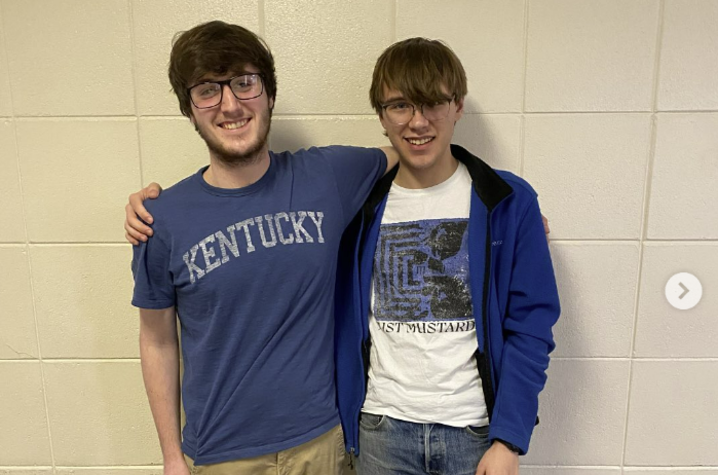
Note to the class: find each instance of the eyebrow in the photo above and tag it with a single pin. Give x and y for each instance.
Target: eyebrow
(395, 99)
(241, 73)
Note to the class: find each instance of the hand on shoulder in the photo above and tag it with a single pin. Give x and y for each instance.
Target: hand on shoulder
(137, 217)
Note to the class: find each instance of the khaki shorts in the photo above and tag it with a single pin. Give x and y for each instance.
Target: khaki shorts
(324, 455)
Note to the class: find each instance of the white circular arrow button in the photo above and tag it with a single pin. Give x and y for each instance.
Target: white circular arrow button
(684, 291)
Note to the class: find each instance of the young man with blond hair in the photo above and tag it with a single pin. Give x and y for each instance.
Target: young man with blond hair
(446, 294)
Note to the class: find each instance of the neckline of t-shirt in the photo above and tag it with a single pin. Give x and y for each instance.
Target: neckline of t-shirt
(439, 187)
(245, 190)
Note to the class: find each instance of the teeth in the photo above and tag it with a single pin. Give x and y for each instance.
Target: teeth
(234, 125)
(419, 141)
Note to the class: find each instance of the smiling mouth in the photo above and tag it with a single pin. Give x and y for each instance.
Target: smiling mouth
(233, 125)
(420, 141)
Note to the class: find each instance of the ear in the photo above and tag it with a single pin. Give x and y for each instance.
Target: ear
(383, 122)
(459, 109)
(271, 103)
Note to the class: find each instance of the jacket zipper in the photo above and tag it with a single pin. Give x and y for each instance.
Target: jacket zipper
(351, 458)
(365, 350)
(484, 358)
(365, 344)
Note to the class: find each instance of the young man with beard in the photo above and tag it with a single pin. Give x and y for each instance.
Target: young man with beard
(244, 252)
(446, 294)
(211, 339)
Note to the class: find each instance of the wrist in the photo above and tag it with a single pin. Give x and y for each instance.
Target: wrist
(176, 457)
(508, 446)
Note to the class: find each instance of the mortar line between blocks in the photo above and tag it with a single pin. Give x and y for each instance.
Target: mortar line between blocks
(25, 467)
(657, 470)
(81, 468)
(33, 293)
(526, 55)
(522, 127)
(29, 261)
(644, 226)
(637, 296)
(394, 6)
(133, 117)
(78, 244)
(261, 19)
(698, 242)
(657, 59)
(129, 359)
(651, 359)
(7, 68)
(133, 52)
(570, 466)
(631, 468)
(78, 118)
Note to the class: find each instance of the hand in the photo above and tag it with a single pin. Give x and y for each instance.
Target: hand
(546, 229)
(135, 213)
(498, 460)
(176, 468)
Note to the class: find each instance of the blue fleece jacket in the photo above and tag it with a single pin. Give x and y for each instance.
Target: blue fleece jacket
(513, 290)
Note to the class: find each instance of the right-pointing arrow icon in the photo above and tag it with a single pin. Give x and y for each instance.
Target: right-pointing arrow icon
(685, 290)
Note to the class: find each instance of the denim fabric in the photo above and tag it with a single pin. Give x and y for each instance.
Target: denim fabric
(392, 447)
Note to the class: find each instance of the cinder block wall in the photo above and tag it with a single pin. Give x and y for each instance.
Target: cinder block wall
(609, 108)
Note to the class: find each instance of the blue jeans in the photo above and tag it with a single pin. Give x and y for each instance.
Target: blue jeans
(392, 447)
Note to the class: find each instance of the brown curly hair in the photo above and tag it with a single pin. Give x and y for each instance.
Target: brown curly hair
(219, 48)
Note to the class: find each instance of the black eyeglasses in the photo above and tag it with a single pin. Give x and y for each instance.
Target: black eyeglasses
(208, 94)
(401, 112)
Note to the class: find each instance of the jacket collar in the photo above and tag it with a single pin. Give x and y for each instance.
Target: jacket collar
(489, 186)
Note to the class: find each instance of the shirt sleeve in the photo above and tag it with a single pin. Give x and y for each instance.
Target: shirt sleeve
(355, 170)
(532, 311)
(150, 268)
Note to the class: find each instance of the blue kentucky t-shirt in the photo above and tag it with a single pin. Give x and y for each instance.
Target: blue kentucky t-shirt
(251, 273)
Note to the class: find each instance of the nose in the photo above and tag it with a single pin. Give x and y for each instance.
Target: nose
(418, 121)
(229, 101)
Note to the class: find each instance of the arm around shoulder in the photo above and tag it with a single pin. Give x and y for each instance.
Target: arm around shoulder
(136, 215)
(392, 158)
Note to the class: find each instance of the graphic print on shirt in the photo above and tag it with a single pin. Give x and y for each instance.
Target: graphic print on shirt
(421, 277)
(289, 227)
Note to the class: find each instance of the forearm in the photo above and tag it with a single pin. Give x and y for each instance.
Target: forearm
(160, 370)
(392, 158)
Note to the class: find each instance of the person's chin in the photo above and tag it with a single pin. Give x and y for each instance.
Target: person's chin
(419, 162)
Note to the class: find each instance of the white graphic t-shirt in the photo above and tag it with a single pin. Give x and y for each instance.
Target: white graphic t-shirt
(422, 365)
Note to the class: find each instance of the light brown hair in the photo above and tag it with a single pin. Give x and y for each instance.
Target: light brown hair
(418, 68)
(218, 48)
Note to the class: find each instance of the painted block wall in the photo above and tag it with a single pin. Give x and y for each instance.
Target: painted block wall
(608, 107)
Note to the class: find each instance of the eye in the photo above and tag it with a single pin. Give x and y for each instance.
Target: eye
(399, 106)
(206, 90)
(244, 82)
